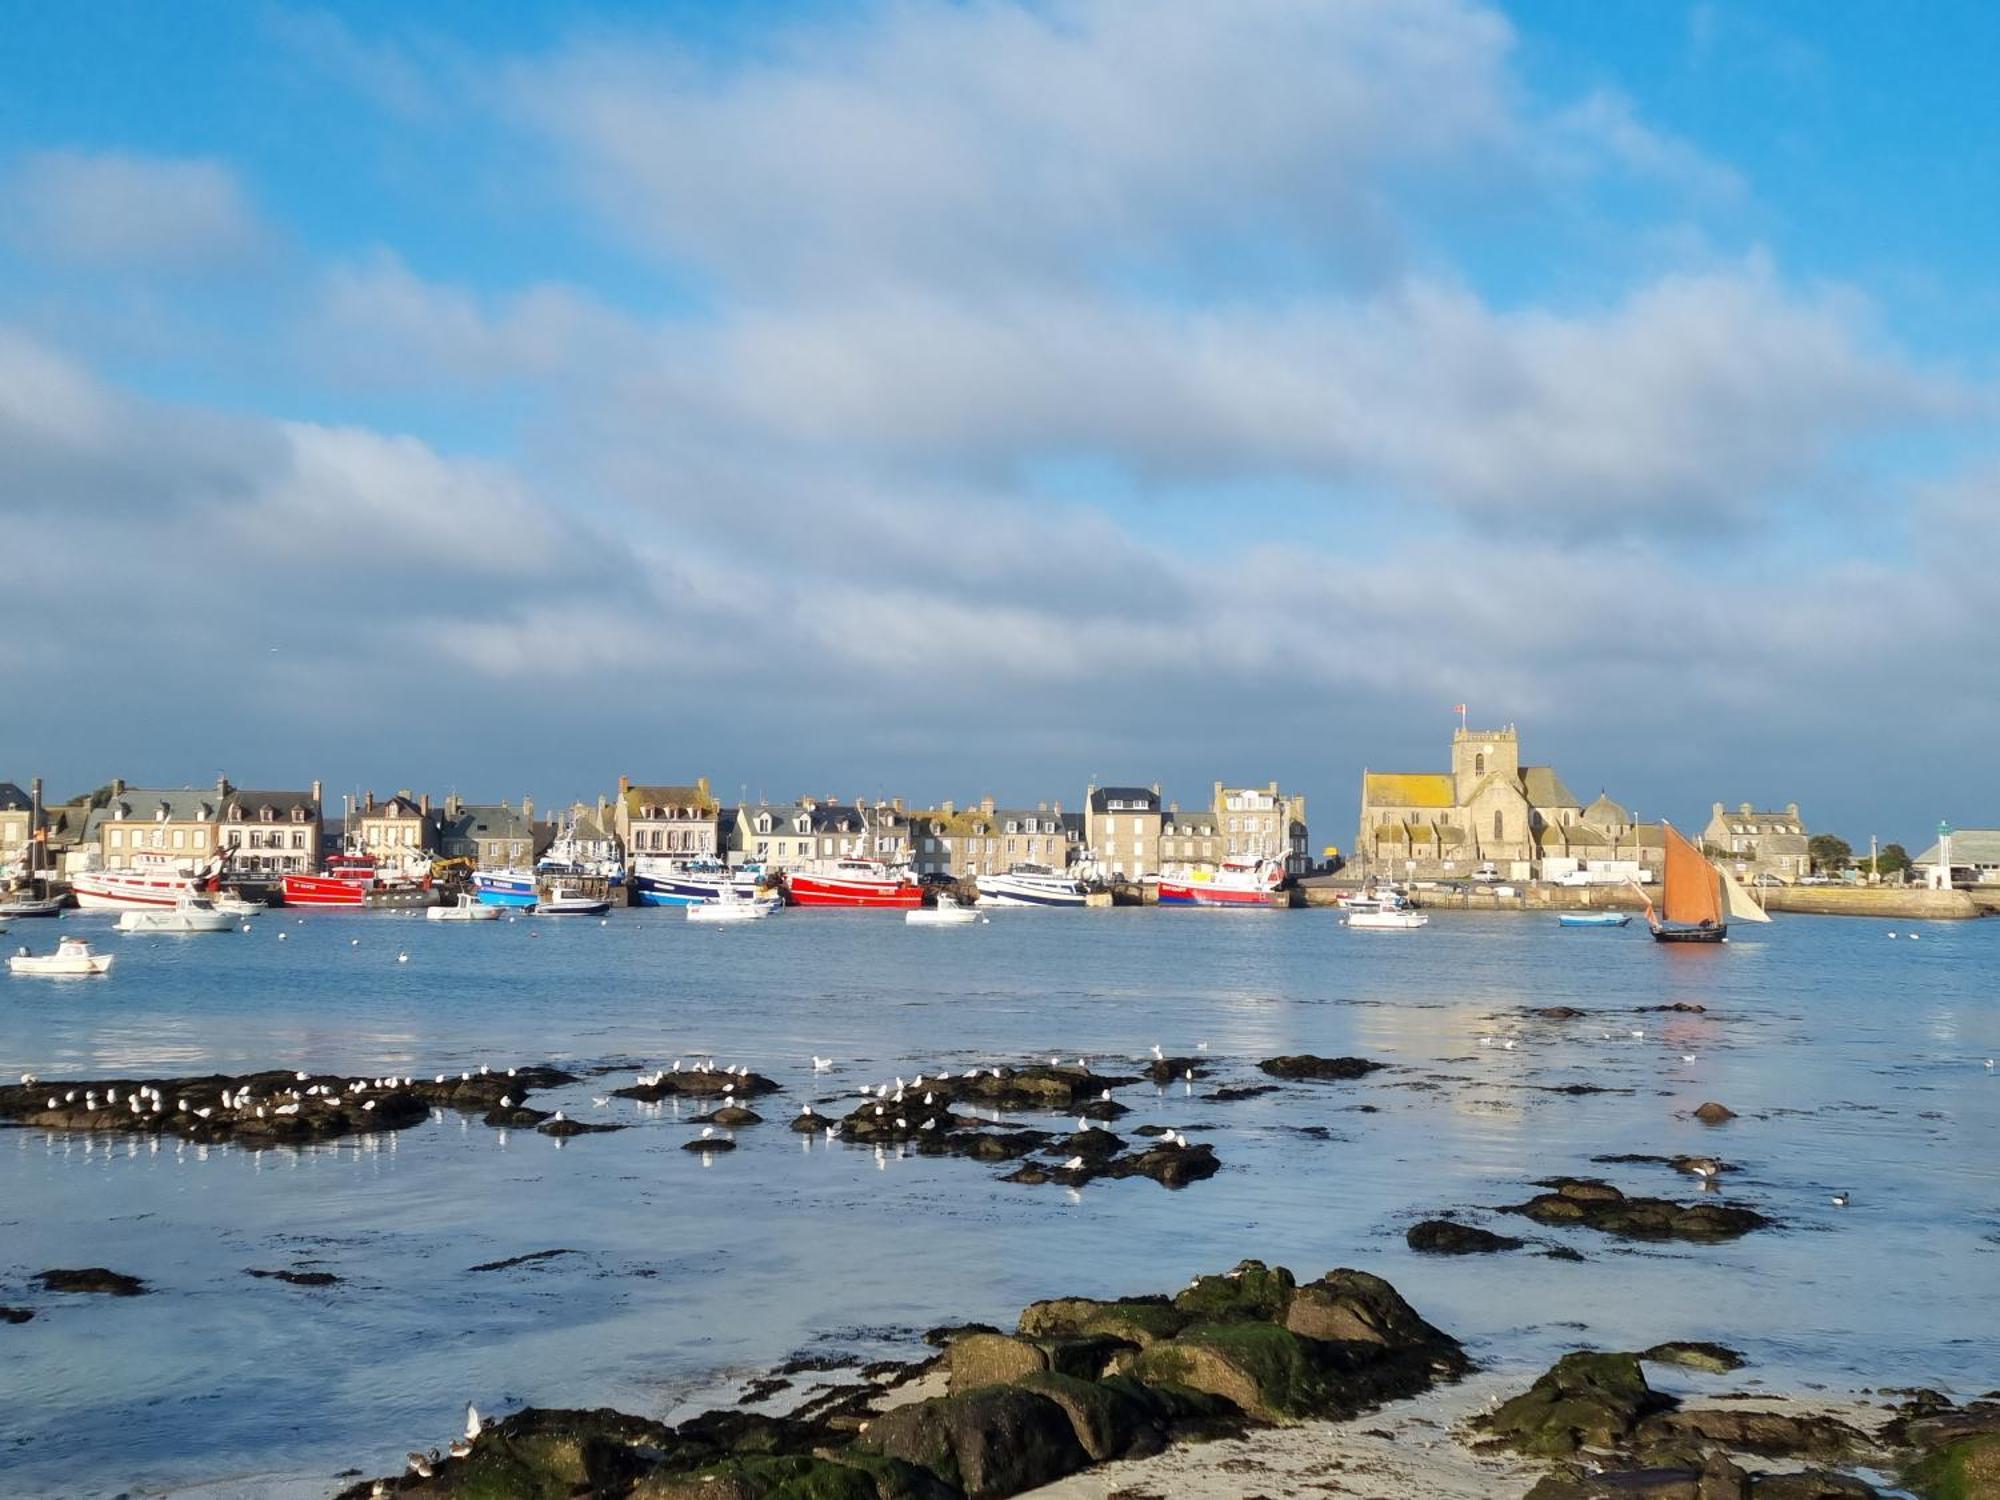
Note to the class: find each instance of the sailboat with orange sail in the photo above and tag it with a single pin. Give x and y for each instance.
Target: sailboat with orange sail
(1700, 900)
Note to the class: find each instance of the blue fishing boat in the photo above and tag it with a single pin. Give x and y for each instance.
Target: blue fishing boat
(504, 887)
(667, 882)
(1594, 918)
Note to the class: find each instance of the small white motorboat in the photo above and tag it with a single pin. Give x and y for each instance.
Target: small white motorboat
(1389, 913)
(188, 914)
(72, 958)
(730, 906)
(236, 904)
(947, 913)
(565, 901)
(466, 909)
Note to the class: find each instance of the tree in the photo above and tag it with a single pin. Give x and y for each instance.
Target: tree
(1891, 859)
(1829, 854)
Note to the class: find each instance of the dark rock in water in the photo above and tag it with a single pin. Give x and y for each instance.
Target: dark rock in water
(1712, 1113)
(997, 1441)
(1718, 1479)
(1165, 1070)
(731, 1115)
(1558, 1012)
(520, 1260)
(811, 1124)
(1598, 1205)
(15, 1314)
(1584, 1400)
(1041, 1086)
(1694, 1354)
(1171, 1166)
(297, 1278)
(563, 1129)
(518, 1115)
(1680, 1007)
(1325, 1069)
(713, 1143)
(1103, 1109)
(694, 1083)
(91, 1279)
(1010, 1146)
(1562, 1252)
(938, 1338)
(1446, 1237)
(1231, 1093)
(762, 1478)
(1027, 1174)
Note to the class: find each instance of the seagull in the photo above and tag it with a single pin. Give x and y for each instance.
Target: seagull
(707, 1131)
(354, 942)
(1840, 1200)
(27, 1080)
(1508, 1045)
(602, 1101)
(822, 1064)
(1892, 934)
(1074, 1164)
(420, 1466)
(506, 1101)
(1201, 1046)
(1486, 1041)
(1687, 1057)
(1638, 1036)
(805, 1109)
(560, 1117)
(402, 958)
(1106, 1096)
(1989, 1062)
(1056, 1062)
(473, 1426)
(301, 1077)
(282, 936)
(1157, 1053)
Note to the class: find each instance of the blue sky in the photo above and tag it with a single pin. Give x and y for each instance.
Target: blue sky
(944, 399)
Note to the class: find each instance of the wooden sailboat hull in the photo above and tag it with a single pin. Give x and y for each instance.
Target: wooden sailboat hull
(1717, 934)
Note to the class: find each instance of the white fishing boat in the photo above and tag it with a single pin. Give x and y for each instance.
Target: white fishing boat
(236, 904)
(154, 882)
(566, 901)
(73, 958)
(1031, 885)
(729, 905)
(189, 914)
(465, 909)
(947, 913)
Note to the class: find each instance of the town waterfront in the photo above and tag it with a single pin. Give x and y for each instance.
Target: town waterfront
(1855, 1063)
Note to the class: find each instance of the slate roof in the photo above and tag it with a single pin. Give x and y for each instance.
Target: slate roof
(638, 797)
(1604, 812)
(1545, 789)
(281, 804)
(1969, 846)
(143, 804)
(487, 821)
(13, 799)
(1102, 797)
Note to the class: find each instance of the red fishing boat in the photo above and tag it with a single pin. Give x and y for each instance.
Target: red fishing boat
(1237, 882)
(356, 882)
(854, 882)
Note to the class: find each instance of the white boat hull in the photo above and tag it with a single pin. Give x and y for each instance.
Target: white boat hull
(735, 911)
(1030, 890)
(118, 891)
(940, 916)
(467, 910)
(1388, 921)
(176, 921)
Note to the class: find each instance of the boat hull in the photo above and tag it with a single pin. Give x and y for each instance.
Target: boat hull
(349, 893)
(573, 908)
(828, 890)
(686, 890)
(116, 891)
(176, 922)
(52, 907)
(1602, 919)
(725, 912)
(504, 889)
(1002, 890)
(1177, 893)
(1716, 934)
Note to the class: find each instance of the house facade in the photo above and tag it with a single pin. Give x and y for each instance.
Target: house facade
(16, 828)
(987, 839)
(1758, 843)
(271, 833)
(672, 821)
(493, 835)
(404, 830)
(1263, 823)
(1975, 859)
(1192, 838)
(1122, 830)
(1489, 809)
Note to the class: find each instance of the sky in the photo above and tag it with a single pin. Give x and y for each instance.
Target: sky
(945, 400)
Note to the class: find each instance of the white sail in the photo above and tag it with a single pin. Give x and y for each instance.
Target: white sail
(1741, 907)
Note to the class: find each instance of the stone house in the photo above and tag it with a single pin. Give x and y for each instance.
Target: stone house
(676, 822)
(1121, 826)
(1758, 843)
(272, 833)
(987, 839)
(780, 835)
(592, 832)
(1263, 822)
(404, 830)
(1489, 809)
(16, 828)
(1193, 837)
(494, 836)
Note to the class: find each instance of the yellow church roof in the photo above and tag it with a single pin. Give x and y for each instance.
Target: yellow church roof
(1408, 789)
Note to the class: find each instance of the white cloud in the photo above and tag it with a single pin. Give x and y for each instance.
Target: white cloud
(121, 210)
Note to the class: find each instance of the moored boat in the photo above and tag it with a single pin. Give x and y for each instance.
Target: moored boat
(73, 958)
(1388, 912)
(356, 882)
(465, 908)
(680, 882)
(504, 887)
(1593, 919)
(189, 914)
(566, 901)
(1235, 882)
(22, 904)
(1031, 885)
(947, 913)
(857, 883)
(731, 906)
(150, 884)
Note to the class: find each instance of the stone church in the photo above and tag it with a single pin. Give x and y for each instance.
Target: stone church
(1488, 809)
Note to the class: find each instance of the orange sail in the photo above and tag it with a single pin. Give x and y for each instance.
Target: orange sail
(1694, 890)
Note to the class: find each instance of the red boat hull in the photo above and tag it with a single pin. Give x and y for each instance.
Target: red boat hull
(1177, 893)
(827, 890)
(323, 890)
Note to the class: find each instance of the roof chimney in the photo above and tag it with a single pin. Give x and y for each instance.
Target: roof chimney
(986, 806)
(424, 804)
(316, 794)
(527, 808)
(221, 785)
(118, 786)
(624, 785)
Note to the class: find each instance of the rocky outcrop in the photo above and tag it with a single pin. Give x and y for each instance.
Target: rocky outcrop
(92, 1279)
(1304, 1065)
(1449, 1237)
(1595, 1204)
(1585, 1401)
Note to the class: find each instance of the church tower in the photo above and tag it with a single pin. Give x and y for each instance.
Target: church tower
(1478, 753)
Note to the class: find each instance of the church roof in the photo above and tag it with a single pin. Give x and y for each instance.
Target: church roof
(1545, 789)
(1604, 810)
(1407, 789)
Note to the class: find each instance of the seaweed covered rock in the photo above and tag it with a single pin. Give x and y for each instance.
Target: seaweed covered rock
(1770, 1433)
(1585, 1400)
(1449, 1237)
(795, 1477)
(991, 1442)
(1304, 1065)
(1600, 1206)
(1966, 1468)
(1262, 1369)
(1252, 1291)
(1694, 1354)
(982, 1359)
(91, 1279)
(1115, 1418)
(1354, 1307)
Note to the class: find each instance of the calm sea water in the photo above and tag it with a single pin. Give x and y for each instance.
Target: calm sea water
(1856, 1063)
